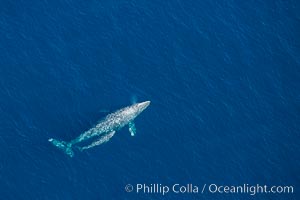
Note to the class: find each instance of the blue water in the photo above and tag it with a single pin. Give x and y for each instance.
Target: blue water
(223, 78)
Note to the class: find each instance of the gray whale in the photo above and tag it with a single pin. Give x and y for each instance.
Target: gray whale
(105, 129)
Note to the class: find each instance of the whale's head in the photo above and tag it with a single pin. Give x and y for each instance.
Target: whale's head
(142, 106)
(137, 108)
(131, 112)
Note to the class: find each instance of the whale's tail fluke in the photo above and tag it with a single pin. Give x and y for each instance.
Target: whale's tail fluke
(65, 146)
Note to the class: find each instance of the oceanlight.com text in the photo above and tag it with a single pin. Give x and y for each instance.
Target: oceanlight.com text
(250, 189)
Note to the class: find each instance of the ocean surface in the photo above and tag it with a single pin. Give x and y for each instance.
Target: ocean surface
(223, 78)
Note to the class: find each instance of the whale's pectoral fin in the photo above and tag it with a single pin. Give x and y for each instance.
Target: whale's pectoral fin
(132, 128)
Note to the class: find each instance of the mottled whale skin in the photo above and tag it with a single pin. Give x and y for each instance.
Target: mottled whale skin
(105, 129)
